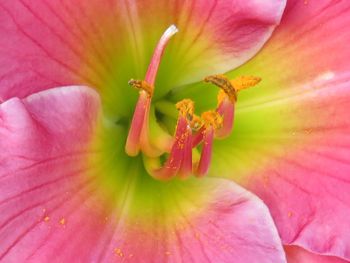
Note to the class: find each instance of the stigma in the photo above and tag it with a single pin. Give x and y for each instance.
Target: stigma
(188, 150)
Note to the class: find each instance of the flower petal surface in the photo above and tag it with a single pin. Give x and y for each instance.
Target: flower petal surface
(63, 199)
(290, 144)
(105, 43)
(298, 255)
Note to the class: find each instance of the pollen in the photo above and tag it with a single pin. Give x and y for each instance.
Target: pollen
(62, 221)
(221, 96)
(186, 108)
(196, 122)
(213, 119)
(142, 85)
(245, 82)
(231, 87)
(46, 218)
(118, 252)
(225, 84)
(171, 141)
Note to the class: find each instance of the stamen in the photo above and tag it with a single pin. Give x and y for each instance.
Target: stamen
(186, 166)
(186, 108)
(191, 130)
(245, 82)
(172, 165)
(212, 121)
(227, 98)
(142, 85)
(223, 83)
(204, 162)
(226, 109)
(138, 137)
(179, 161)
(197, 125)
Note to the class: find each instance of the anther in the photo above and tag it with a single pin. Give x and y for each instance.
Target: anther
(142, 85)
(227, 98)
(196, 123)
(223, 83)
(245, 82)
(213, 119)
(186, 108)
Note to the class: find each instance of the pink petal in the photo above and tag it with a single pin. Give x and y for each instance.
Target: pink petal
(298, 255)
(291, 143)
(63, 199)
(221, 223)
(105, 43)
(215, 36)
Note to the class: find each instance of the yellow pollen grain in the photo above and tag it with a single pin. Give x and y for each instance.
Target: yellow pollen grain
(46, 218)
(142, 85)
(186, 108)
(63, 221)
(118, 252)
(196, 123)
(212, 118)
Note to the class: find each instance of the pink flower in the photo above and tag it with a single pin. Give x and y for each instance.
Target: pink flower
(81, 182)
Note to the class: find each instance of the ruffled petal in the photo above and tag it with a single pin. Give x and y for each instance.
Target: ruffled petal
(290, 144)
(64, 197)
(105, 43)
(298, 255)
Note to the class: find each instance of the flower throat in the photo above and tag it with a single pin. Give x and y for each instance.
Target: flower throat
(192, 131)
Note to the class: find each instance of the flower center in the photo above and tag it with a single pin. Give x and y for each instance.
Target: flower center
(192, 132)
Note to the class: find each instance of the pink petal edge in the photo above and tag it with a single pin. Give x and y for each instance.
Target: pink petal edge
(299, 255)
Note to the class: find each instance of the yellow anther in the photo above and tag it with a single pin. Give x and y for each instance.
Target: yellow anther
(212, 118)
(225, 84)
(196, 123)
(245, 82)
(141, 85)
(186, 108)
(231, 87)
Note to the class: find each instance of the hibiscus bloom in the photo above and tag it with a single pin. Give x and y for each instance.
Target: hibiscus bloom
(274, 190)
